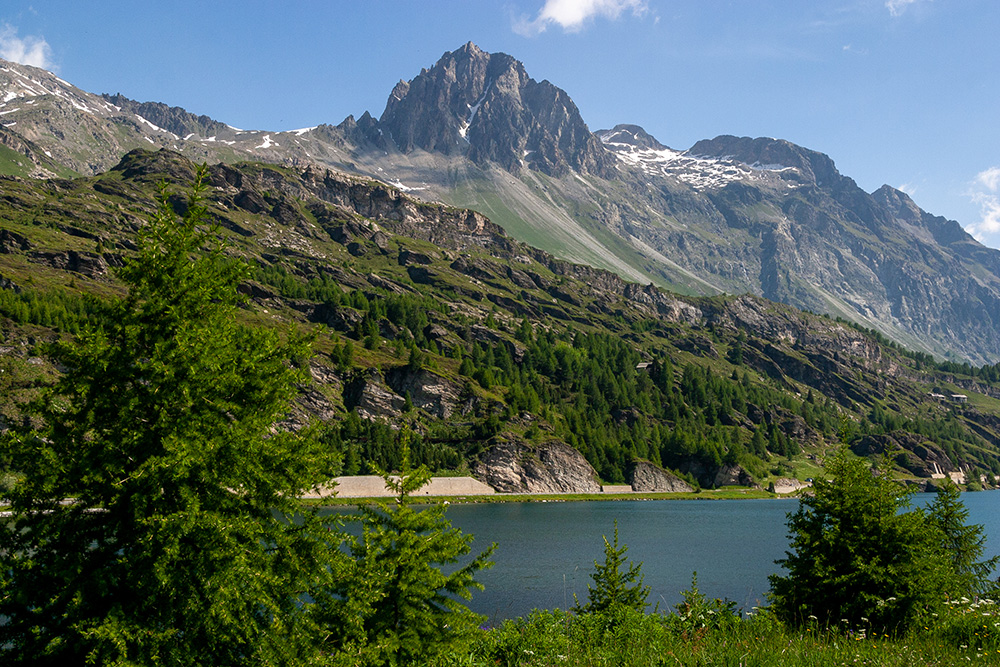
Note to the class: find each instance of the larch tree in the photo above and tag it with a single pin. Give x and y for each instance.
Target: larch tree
(617, 581)
(860, 553)
(400, 600)
(155, 518)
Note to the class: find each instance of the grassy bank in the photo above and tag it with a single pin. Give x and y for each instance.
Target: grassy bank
(709, 636)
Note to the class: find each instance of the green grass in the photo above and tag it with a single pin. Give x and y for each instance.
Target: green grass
(707, 635)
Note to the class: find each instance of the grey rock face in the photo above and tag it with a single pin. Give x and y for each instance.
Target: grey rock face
(372, 398)
(513, 466)
(173, 119)
(908, 450)
(734, 475)
(647, 477)
(428, 391)
(485, 106)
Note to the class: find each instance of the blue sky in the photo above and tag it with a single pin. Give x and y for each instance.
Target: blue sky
(904, 92)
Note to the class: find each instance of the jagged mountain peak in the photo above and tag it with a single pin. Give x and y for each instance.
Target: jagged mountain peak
(898, 202)
(926, 226)
(485, 106)
(175, 120)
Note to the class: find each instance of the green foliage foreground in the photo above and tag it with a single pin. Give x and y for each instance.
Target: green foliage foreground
(627, 637)
(860, 554)
(155, 518)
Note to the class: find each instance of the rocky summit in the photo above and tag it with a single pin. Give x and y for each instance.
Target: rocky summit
(727, 215)
(486, 107)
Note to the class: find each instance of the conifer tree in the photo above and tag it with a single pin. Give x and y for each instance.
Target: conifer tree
(961, 544)
(617, 581)
(395, 605)
(859, 552)
(151, 519)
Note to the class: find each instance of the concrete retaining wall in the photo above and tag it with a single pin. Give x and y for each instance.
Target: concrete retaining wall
(372, 486)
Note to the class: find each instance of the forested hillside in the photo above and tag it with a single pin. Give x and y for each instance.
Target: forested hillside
(430, 317)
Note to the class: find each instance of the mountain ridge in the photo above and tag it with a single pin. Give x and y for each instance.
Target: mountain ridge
(730, 214)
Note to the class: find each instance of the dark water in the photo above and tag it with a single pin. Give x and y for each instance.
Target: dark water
(546, 551)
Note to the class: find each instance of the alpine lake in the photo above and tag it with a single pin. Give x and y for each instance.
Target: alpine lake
(546, 550)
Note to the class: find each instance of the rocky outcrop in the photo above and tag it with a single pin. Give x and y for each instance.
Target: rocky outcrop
(88, 263)
(372, 398)
(661, 304)
(515, 466)
(733, 475)
(714, 477)
(907, 450)
(11, 241)
(428, 391)
(648, 477)
(174, 119)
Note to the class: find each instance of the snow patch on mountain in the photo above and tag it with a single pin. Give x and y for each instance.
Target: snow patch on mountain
(405, 188)
(266, 143)
(698, 171)
(21, 83)
(146, 122)
(463, 129)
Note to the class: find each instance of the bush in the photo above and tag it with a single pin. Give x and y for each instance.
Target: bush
(697, 615)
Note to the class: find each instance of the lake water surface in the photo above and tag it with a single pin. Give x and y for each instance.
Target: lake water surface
(546, 551)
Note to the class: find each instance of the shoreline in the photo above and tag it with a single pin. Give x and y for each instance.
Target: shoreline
(723, 494)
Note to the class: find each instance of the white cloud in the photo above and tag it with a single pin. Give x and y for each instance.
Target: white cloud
(990, 178)
(30, 50)
(572, 15)
(897, 7)
(984, 193)
(909, 188)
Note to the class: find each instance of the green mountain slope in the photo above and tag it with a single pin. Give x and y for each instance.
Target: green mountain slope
(496, 354)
